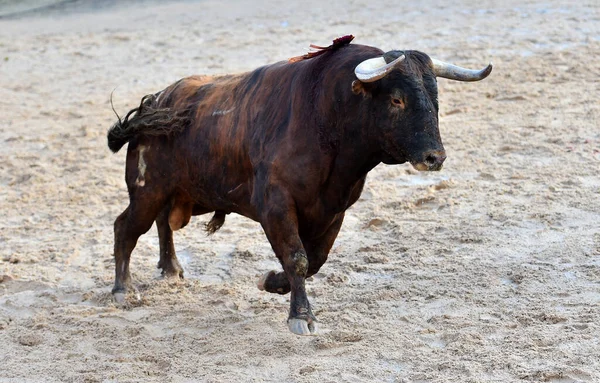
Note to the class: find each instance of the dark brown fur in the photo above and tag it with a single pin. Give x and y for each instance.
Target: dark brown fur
(288, 145)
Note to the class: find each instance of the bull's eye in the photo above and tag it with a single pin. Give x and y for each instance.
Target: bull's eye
(398, 102)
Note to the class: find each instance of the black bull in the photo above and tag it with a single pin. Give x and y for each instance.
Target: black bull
(288, 145)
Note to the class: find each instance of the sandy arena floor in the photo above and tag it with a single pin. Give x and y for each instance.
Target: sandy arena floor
(488, 271)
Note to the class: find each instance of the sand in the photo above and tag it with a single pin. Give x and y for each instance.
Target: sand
(488, 271)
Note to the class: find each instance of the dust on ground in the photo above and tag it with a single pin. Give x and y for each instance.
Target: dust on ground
(488, 271)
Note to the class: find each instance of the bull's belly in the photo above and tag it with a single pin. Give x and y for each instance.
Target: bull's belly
(210, 194)
(314, 219)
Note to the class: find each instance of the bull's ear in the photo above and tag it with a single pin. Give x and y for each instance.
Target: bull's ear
(358, 87)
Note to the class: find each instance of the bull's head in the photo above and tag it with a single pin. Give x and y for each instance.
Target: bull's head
(402, 90)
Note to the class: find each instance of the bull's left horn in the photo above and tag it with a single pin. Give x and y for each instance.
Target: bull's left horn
(374, 69)
(453, 72)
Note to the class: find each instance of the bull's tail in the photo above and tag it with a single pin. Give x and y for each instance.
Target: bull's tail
(215, 222)
(147, 119)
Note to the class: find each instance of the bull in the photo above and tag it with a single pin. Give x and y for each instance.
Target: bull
(288, 145)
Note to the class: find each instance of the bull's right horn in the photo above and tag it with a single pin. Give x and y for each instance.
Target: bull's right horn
(374, 69)
(453, 72)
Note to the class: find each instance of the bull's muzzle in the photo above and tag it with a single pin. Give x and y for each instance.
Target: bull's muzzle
(432, 161)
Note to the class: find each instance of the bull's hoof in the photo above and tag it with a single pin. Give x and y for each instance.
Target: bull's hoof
(122, 296)
(172, 274)
(302, 327)
(171, 269)
(261, 282)
(274, 282)
(119, 297)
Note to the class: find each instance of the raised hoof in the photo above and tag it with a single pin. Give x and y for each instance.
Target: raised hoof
(302, 327)
(261, 282)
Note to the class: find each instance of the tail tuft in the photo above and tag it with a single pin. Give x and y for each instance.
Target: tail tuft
(215, 222)
(147, 119)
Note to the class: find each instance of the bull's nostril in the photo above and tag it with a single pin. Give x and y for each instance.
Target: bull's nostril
(430, 160)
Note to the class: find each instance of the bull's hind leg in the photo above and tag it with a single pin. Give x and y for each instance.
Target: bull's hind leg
(168, 259)
(317, 250)
(274, 282)
(129, 226)
(176, 215)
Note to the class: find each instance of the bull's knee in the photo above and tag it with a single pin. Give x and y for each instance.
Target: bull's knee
(300, 263)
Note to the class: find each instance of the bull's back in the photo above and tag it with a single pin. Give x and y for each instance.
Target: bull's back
(230, 127)
(240, 126)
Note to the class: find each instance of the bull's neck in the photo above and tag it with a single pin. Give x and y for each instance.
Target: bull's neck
(344, 121)
(359, 150)
(354, 155)
(351, 162)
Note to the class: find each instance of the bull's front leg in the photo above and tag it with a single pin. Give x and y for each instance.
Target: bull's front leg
(317, 250)
(279, 220)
